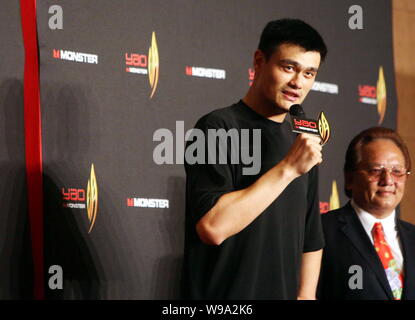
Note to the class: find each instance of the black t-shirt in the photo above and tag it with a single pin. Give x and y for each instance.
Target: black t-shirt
(263, 260)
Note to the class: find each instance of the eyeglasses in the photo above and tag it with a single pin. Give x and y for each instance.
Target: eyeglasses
(398, 173)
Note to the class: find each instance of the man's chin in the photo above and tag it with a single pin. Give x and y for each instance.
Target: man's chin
(283, 107)
(386, 204)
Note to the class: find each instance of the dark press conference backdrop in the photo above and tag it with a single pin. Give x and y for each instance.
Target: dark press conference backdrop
(15, 247)
(115, 72)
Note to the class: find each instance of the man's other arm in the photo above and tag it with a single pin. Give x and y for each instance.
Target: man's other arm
(310, 271)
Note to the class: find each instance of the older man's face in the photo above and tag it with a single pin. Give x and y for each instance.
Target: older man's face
(378, 194)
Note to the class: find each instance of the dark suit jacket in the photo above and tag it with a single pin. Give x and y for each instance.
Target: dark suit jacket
(347, 244)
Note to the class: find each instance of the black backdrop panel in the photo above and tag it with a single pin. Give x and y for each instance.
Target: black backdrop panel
(15, 250)
(99, 111)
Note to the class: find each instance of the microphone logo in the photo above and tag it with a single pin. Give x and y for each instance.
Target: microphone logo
(323, 128)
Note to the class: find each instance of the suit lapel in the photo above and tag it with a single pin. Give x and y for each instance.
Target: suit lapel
(357, 235)
(408, 247)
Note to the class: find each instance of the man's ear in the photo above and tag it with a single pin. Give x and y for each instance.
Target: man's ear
(348, 180)
(259, 60)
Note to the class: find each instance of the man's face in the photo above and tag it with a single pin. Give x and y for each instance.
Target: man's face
(288, 75)
(378, 196)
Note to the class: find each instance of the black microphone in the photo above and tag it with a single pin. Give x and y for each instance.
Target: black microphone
(297, 110)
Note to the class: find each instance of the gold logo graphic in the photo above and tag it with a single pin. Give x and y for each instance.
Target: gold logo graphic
(92, 198)
(334, 197)
(153, 64)
(323, 128)
(381, 95)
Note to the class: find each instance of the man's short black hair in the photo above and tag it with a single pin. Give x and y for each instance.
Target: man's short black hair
(293, 31)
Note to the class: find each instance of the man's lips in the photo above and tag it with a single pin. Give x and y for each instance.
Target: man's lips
(385, 193)
(290, 95)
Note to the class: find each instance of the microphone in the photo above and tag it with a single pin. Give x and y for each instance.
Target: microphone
(297, 110)
(301, 124)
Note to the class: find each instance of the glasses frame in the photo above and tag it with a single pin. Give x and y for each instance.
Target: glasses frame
(383, 170)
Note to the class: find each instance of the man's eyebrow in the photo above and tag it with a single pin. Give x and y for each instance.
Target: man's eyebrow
(298, 65)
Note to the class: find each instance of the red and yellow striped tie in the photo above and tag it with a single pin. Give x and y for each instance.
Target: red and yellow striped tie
(393, 273)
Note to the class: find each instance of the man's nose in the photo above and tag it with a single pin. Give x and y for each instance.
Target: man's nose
(296, 81)
(386, 178)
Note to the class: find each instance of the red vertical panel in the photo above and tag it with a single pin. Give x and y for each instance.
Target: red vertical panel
(33, 141)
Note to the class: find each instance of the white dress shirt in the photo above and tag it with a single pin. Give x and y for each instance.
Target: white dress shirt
(389, 228)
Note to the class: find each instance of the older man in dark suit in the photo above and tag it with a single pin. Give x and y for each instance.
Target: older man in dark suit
(370, 253)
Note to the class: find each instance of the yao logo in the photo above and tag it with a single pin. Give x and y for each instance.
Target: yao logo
(145, 64)
(78, 198)
(375, 95)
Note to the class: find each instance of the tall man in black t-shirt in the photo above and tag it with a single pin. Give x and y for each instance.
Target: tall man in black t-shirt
(257, 234)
